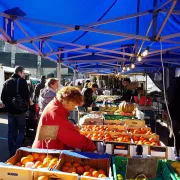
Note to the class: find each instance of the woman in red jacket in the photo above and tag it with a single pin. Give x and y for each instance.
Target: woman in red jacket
(56, 114)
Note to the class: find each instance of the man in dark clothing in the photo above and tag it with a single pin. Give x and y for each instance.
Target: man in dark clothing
(127, 93)
(16, 117)
(38, 88)
(88, 95)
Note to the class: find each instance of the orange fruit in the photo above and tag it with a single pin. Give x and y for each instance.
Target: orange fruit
(52, 164)
(31, 158)
(36, 156)
(49, 156)
(67, 164)
(95, 174)
(80, 170)
(76, 164)
(65, 168)
(18, 164)
(87, 174)
(55, 159)
(42, 157)
(72, 169)
(9, 163)
(24, 160)
(102, 176)
(40, 166)
(42, 178)
(36, 164)
(101, 172)
(86, 168)
(91, 170)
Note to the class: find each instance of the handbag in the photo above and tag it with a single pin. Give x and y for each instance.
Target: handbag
(18, 102)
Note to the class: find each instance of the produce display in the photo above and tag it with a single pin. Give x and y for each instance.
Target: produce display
(126, 109)
(107, 108)
(108, 137)
(146, 131)
(36, 160)
(102, 128)
(86, 170)
(176, 166)
(144, 140)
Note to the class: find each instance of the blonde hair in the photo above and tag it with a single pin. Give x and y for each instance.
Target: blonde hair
(51, 81)
(71, 94)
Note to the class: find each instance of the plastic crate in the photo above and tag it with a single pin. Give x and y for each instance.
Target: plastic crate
(119, 165)
(117, 117)
(173, 172)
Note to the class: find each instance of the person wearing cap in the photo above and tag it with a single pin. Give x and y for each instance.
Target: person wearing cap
(38, 88)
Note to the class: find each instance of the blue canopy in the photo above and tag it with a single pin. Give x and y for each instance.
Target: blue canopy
(98, 36)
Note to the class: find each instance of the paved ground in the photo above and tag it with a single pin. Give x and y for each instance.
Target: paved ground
(4, 154)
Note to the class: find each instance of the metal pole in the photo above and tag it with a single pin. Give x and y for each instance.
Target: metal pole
(154, 20)
(146, 83)
(59, 72)
(166, 19)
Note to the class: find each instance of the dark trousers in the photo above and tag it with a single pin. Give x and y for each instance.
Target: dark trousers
(16, 131)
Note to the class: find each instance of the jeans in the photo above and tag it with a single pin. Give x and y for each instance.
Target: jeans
(16, 131)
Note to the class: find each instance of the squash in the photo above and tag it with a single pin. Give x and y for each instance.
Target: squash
(126, 107)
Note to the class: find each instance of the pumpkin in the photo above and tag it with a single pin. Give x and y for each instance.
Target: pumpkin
(126, 107)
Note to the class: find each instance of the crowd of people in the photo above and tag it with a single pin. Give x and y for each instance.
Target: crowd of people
(54, 110)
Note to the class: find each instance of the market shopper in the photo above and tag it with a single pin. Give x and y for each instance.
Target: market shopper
(90, 95)
(48, 93)
(56, 114)
(127, 93)
(38, 88)
(16, 115)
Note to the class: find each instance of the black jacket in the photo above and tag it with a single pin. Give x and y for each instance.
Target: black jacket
(127, 95)
(37, 89)
(9, 91)
(88, 97)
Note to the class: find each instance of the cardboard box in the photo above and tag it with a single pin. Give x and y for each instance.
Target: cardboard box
(96, 161)
(23, 152)
(17, 173)
(135, 123)
(114, 122)
(54, 175)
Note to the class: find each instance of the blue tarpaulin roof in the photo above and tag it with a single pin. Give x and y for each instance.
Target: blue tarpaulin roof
(94, 35)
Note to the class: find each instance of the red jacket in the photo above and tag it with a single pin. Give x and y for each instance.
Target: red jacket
(68, 136)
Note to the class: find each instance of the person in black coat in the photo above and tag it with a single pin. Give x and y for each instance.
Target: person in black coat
(16, 117)
(88, 95)
(127, 93)
(38, 88)
(174, 112)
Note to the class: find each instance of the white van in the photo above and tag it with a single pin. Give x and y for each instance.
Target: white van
(6, 73)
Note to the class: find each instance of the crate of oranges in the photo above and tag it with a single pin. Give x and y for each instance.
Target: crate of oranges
(18, 173)
(140, 130)
(35, 158)
(86, 165)
(104, 128)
